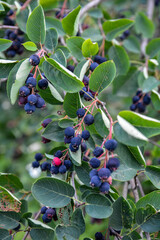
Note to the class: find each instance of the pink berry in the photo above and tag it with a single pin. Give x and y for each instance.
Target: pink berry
(56, 161)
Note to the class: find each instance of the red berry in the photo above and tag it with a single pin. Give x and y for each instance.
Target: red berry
(56, 161)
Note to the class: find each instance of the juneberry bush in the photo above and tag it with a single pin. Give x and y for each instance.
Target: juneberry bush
(87, 74)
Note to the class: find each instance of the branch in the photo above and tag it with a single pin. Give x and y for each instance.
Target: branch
(25, 4)
(125, 190)
(134, 190)
(140, 187)
(90, 5)
(8, 27)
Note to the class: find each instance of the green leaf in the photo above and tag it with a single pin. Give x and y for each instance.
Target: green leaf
(67, 232)
(120, 58)
(149, 84)
(114, 28)
(81, 69)
(20, 79)
(4, 44)
(9, 220)
(67, 80)
(48, 4)
(21, 19)
(155, 96)
(54, 132)
(6, 67)
(89, 49)
(144, 25)
(60, 57)
(100, 125)
(52, 192)
(102, 76)
(132, 44)
(122, 214)
(5, 234)
(98, 206)
(71, 21)
(143, 213)
(31, 46)
(64, 123)
(51, 39)
(83, 173)
(124, 173)
(95, 13)
(1, 7)
(74, 44)
(77, 220)
(76, 157)
(36, 26)
(71, 104)
(92, 33)
(55, 23)
(10, 181)
(152, 198)
(153, 47)
(136, 152)
(152, 224)
(153, 173)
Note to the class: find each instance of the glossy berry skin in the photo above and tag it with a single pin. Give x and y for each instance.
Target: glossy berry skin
(69, 132)
(45, 219)
(83, 147)
(85, 134)
(99, 59)
(29, 108)
(67, 140)
(139, 93)
(43, 83)
(86, 80)
(50, 212)
(22, 100)
(95, 181)
(126, 33)
(146, 99)
(38, 156)
(95, 162)
(80, 112)
(16, 45)
(54, 170)
(56, 161)
(11, 53)
(31, 82)
(110, 145)
(93, 172)
(46, 122)
(58, 154)
(99, 236)
(76, 141)
(104, 173)
(12, 36)
(45, 166)
(133, 107)
(32, 99)
(113, 164)
(40, 102)
(104, 188)
(88, 96)
(93, 66)
(10, 12)
(35, 164)
(43, 209)
(84, 89)
(135, 99)
(62, 169)
(70, 68)
(89, 119)
(24, 91)
(141, 108)
(98, 151)
(73, 149)
(34, 60)
(67, 163)
(17, 228)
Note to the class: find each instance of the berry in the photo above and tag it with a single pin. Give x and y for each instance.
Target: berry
(146, 99)
(20, 50)
(99, 59)
(85, 134)
(95, 181)
(86, 80)
(20, 32)
(139, 93)
(31, 82)
(80, 112)
(16, 45)
(43, 83)
(24, 91)
(32, 99)
(22, 101)
(56, 161)
(89, 119)
(35, 164)
(43, 209)
(104, 188)
(69, 132)
(141, 107)
(133, 107)
(68, 164)
(7, 32)
(45, 219)
(29, 108)
(50, 212)
(46, 122)
(98, 151)
(40, 102)
(104, 173)
(70, 68)
(17, 228)
(95, 162)
(110, 145)
(83, 147)
(38, 156)
(8, 21)
(93, 66)
(88, 96)
(75, 149)
(84, 89)
(76, 141)
(93, 172)
(10, 53)
(12, 36)
(58, 154)
(99, 236)
(45, 140)
(113, 164)
(10, 12)
(54, 170)
(62, 169)
(67, 140)
(34, 60)
(135, 99)
(45, 166)
(126, 33)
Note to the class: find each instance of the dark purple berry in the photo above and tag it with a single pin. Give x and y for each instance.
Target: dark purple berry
(67, 140)
(17, 228)
(10, 12)
(135, 99)
(67, 163)
(43, 209)
(40, 103)
(12, 36)
(43, 83)
(20, 50)
(86, 80)
(10, 53)
(62, 169)
(99, 59)
(58, 154)
(104, 188)
(141, 108)
(35, 164)
(95, 181)
(32, 99)
(54, 170)
(88, 96)
(146, 99)
(85, 134)
(95, 162)
(45, 166)
(38, 156)
(73, 149)
(29, 108)
(113, 164)
(50, 212)
(83, 147)
(84, 89)
(24, 91)
(110, 145)
(80, 112)
(99, 236)
(22, 100)
(45, 219)
(98, 151)
(93, 172)
(34, 60)
(76, 141)
(16, 45)
(139, 93)
(45, 140)
(70, 68)
(133, 107)
(46, 122)
(126, 33)
(31, 82)
(93, 66)
(104, 173)
(69, 132)
(89, 119)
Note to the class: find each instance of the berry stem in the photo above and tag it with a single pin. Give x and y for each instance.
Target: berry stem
(40, 72)
(25, 4)
(35, 73)
(63, 8)
(106, 159)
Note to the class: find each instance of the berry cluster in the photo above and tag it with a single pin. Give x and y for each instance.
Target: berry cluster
(28, 96)
(38, 157)
(140, 101)
(61, 163)
(124, 35)
(15, 36)
(99, 236)
(48, 214)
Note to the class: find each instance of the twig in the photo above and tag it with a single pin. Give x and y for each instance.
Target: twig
(73, 184)
(25, 4)
(125, 190)
(134, 190)
(88, 6)
(8, 27)
(140, 187)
